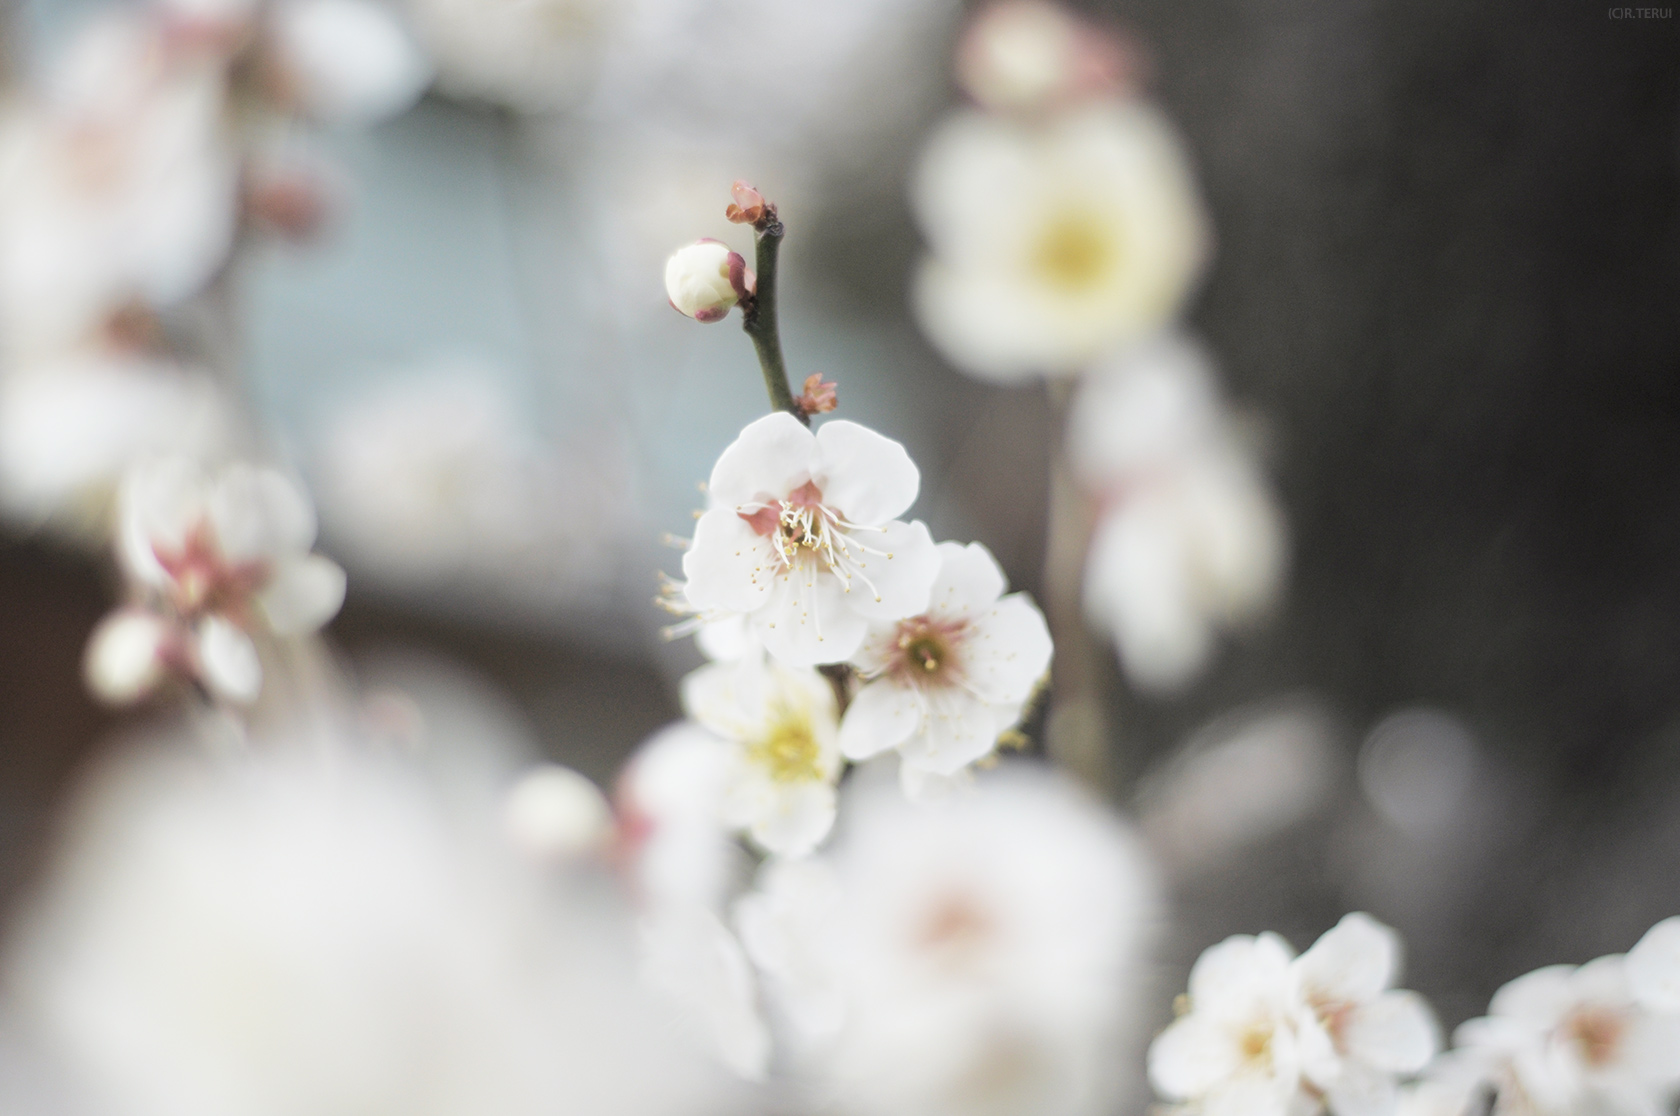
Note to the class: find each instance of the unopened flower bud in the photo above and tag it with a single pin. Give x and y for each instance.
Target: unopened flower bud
(125, 659)
(1028, 55)
(554, 814)
(705, 279)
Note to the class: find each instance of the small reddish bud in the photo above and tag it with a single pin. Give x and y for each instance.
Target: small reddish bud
(819, 396)
(749, 206)
(1030, 55)
(292, 204)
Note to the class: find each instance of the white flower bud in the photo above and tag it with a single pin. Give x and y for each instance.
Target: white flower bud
(124, 659)
(555, 814)
(705, 279)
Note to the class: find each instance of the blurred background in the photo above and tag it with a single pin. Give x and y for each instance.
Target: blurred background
(1445, 295)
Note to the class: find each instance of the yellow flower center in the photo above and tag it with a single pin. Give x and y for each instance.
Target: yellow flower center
(1074, 250)
(789, 751)
(1256, 1043)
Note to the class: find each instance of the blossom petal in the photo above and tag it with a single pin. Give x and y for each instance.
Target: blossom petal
(1250, 1095)
(883, 715)
(1007, 651)
(1361, 1091)
(1138, 586)
(770, 458)
(1191, 1057)
(351, 59)
(227, 660)
(259, 514)
(865, 476)
(959, 730)
(1395, 1032)
(1231, 977)
(1541, 996)
(795, 818)
(808, 618)
(969, 580)
(303, 594)
(1653, 967)
(160, 502)
(1351, 964)
(901, 575)
(729, 566)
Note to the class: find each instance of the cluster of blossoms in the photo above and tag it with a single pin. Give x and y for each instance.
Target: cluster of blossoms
(1266, 1032)
(162, 133)
(1065, 235)
(1603, 1037)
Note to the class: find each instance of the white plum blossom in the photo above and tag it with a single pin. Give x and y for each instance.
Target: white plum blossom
(669, 799)
(693, 959)
(704, 280)
(1235, 1052)
(70, 427)
(785, 757)
(974, 956)
(1267, 1032)
(1054, 242)
(293, 935)
(1570, 1039)
(941, 686)
(802, 537)
(1653, 967)
(1356, 1032)
(117, 183)
(221, 558)
(1189, 540)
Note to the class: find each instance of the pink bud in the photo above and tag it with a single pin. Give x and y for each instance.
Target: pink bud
(1029, 55)
(749, 206)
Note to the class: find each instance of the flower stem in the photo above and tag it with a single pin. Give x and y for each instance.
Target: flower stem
(759, 318)
(1076, 730)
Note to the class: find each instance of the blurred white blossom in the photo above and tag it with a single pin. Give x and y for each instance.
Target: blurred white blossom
(304, 935)
(670, 801)
(1653, 967)
(1032, 55)
(70, 427)
(1267, 1032)
(220, 558)
(941, 686)
(1054, 242)
(347, 61)
(785, 755)
(802, 537)
(1560, 1041)
(534, 55)
(1189, 540)
(556, 815)
(977, 955)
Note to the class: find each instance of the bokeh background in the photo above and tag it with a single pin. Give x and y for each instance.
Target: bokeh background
(1446, 297)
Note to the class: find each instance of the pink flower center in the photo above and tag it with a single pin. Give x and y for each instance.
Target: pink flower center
(1597, 1034)
(204, 581)
(925, 651)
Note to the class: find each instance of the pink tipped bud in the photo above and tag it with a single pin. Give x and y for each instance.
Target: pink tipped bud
(819, 396)
(1028, 55)
(127, 656)
(705, 279)
(749, 206)
(290, 203)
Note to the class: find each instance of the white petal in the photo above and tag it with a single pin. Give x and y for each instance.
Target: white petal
(867, 477)
(1228, 979)
(771, 457)
(1138, 584)
(1361, 1091)
(808, 618)
(883, 715)
(729, 566)
(1153, 406)
(968, 583)
(302, 594)
(1539, 998)
(159, 503)
(1653, 967)
(795, 818)
(124, 658)
(1649, 1051)
(1190, 1057)
(227, 660)
(1351, 964)
(353, 61)
(260, 514)
(959, 730)
(1006, 651)
(901, 575)
(1395, 1032)
(1251, 1095)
